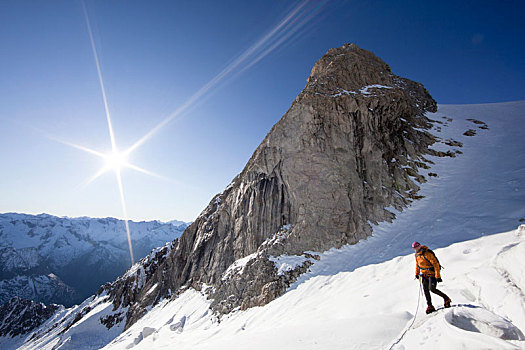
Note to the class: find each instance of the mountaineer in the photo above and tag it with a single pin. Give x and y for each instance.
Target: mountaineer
(429, 269)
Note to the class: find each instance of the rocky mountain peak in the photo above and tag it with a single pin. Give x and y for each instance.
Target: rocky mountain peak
(350, 68)
(349, 147)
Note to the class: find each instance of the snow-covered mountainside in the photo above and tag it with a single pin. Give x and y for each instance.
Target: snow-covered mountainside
(63, 260)
(364, 296)
(368, 308)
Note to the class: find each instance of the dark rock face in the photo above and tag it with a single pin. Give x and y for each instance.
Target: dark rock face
(349, 146)
(19, 316)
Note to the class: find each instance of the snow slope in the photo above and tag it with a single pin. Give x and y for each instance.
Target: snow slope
(364, 296)
(367, 308)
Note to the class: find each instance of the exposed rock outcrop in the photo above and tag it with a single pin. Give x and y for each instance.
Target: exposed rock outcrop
(349, 146)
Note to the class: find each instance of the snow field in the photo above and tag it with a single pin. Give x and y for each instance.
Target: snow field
(368, 308)
(491, 304)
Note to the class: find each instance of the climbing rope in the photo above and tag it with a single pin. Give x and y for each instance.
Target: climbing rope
(413, 319)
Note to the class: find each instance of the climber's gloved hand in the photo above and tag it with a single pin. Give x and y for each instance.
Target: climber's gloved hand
(439, 280)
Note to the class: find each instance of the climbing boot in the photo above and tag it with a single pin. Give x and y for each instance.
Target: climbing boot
(447, 302)
(430, 309)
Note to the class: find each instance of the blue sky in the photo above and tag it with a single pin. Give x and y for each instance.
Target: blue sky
(155, 56)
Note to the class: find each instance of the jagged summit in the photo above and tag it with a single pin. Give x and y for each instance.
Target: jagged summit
(342, 145)
(351, 69)
(348, 67)
(349, 147)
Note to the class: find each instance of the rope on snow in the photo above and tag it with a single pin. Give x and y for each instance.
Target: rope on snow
(413, 319)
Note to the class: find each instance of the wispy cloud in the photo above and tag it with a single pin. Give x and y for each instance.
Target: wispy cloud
(297, 18)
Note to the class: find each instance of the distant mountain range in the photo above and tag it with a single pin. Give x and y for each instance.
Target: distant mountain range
(64, 260)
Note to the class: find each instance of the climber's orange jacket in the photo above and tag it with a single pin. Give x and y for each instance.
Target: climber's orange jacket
(426, 263)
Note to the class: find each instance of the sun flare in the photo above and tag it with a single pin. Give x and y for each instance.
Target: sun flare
(116, 160)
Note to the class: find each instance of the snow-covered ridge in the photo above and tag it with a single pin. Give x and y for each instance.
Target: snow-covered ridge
(25, 231)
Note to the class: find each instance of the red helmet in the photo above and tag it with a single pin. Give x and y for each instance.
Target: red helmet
(415, 245)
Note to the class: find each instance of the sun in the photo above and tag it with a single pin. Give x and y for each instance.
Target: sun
(116, 160)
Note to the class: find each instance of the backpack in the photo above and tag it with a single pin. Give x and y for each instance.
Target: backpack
(434, 254)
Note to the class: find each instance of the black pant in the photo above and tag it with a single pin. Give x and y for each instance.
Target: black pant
(429, 285)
